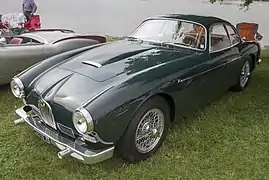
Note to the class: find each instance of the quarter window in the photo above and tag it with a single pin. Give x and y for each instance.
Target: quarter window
(219, 38)
(234, 36)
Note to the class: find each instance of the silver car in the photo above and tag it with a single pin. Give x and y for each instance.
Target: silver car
(20, 52)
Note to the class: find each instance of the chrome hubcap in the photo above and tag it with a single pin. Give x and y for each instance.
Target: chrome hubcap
(245, 72)
(149, 130)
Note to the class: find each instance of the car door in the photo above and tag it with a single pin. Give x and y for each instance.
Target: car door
(15, 58)
(222, 53)
(191, 87)
(198, 84)
(234, 65)
(209, 77)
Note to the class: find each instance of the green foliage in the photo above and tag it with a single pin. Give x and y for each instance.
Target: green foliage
(245, 4)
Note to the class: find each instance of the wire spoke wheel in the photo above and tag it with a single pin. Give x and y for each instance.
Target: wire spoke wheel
(149, 130)
(245, 73)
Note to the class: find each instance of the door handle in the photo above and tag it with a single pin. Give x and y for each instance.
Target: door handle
(186, 81)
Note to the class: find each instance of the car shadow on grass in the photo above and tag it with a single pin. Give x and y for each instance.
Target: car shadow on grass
(226, 108)
(4, 88)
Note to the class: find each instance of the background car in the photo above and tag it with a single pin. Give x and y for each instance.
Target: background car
(123, 96)
(20, 52)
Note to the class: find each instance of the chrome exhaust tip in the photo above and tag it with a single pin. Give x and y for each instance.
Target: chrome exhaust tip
(18, 121)
(63, 153)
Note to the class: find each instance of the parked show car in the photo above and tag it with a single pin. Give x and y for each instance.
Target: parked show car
(20, 52)
(122, 96)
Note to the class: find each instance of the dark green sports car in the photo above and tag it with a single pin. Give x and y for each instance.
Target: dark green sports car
(123, 96)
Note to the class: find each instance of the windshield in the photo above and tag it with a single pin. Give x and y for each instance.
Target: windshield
(185, 34)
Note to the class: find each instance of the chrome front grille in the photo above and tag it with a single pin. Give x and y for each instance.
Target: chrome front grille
(46, 113)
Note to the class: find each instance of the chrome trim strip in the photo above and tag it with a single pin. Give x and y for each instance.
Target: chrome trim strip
(67, 146)
(223, 49)
(99, 139)
(95, 64)
(93, 137)
(177, 19)
(198, 74)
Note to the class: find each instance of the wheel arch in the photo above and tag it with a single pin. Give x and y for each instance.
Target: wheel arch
(253, 61)
(170, 102)
(168, 98)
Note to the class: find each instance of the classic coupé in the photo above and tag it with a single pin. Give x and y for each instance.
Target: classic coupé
(17, 53)
(122, 96)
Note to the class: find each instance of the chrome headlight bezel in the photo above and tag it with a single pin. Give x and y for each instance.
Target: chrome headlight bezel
(82, 121)
(17, 87)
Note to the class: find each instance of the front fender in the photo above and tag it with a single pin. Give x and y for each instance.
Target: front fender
(114, 110)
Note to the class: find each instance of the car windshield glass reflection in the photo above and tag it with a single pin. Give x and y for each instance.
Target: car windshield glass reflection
(174, 32)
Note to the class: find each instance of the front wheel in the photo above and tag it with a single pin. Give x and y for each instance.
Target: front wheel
(146, 131)
(244, 77)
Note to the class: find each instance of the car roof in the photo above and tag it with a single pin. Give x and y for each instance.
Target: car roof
(207, 21)
(49, 36)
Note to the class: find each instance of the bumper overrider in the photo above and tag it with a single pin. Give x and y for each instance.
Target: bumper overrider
(68, 146)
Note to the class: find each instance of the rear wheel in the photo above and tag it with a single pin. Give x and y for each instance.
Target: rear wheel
(244, 77)
(146, 131)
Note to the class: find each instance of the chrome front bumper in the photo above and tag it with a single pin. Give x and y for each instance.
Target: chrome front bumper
(66, 145)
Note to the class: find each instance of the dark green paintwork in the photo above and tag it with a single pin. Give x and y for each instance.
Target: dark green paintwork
(134, 71)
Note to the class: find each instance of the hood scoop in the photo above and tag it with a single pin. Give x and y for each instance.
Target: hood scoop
(91, 63)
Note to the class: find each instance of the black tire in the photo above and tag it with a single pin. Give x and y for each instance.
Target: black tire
(238, 87)
(126, 148)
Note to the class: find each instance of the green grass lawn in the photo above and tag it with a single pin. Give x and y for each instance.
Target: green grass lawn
(226, 140)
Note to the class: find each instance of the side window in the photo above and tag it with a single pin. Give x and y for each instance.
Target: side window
(219, 38)
(20, 40)
(234, 36)
(27, 40)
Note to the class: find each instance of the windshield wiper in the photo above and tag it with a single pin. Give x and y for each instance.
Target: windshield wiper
(131, 38)
(173, 44)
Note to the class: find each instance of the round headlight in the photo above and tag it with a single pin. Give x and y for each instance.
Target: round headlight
(82, 121)
(17, 87)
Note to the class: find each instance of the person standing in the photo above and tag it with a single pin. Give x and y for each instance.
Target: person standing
(29, 7)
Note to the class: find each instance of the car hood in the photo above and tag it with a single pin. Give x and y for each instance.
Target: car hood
(122, 57)
(66, 88)
(73, 83)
